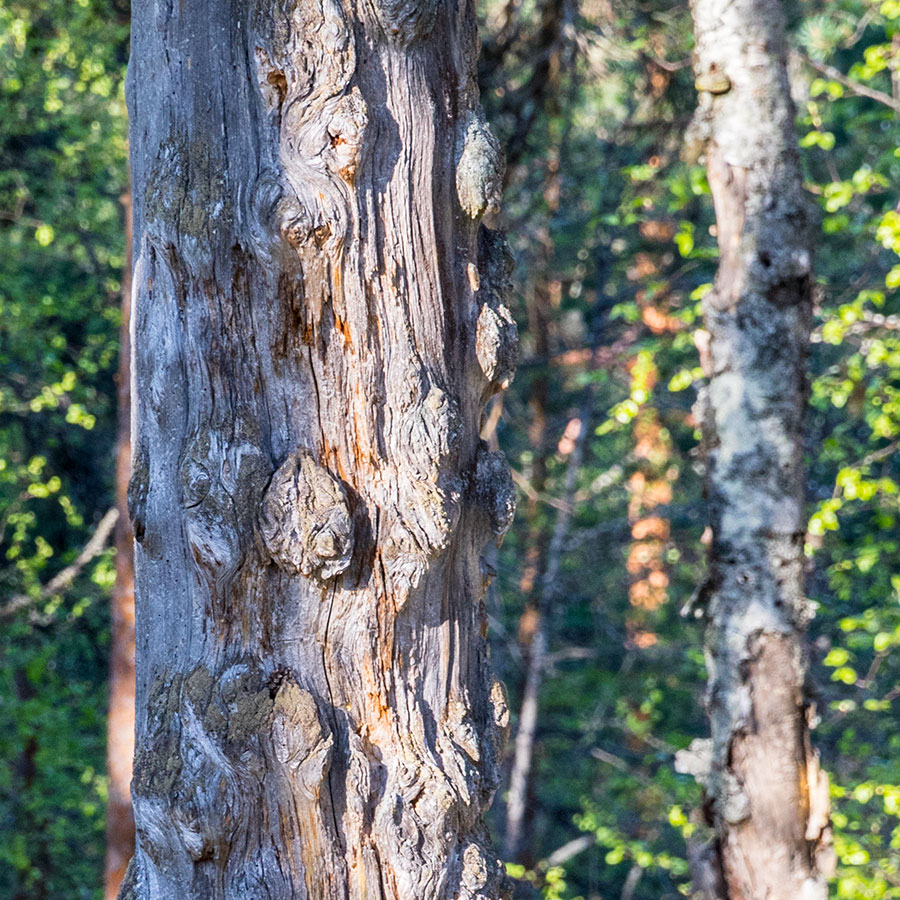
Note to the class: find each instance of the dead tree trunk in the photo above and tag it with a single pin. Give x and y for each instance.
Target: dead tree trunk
(319, 321)
(767, 796)
(521, 773)
(120, 721)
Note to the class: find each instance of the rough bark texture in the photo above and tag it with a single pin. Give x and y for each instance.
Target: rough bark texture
(766, 794)
(120, 721)
(319, 320)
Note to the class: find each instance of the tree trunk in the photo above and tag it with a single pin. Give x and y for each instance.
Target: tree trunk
(120, 721)
(516, 846)
(767, 796)
(318, 324)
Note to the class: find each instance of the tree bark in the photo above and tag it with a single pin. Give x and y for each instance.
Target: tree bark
(766, 794)
(319, 321)
(120, 721)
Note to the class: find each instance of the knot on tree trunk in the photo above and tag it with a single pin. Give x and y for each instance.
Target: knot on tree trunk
(321, 122)
(222, 745)
(222, 473)
(479, 170)
(304, 519)
(138, 489)
(406, 21)
(427, 506)
(493, 489)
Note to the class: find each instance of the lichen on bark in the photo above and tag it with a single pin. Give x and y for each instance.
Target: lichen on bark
(757, 319)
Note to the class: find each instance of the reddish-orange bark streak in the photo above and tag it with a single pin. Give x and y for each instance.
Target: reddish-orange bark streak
(120, 725)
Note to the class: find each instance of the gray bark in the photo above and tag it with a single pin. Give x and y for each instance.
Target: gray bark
(766, 793)
(319, 321)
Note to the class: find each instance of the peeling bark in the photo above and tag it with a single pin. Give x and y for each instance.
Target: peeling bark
(773, 835)
(310, 496)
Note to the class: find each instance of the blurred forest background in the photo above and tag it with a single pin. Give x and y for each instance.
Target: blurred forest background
(611, 221)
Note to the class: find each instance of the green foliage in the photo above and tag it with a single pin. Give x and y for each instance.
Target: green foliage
(62, 171)
(853, 448)
(630, 243)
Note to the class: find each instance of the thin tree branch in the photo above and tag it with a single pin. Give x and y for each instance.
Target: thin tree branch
(528, 715)
(525, 485)
(567, 851)
(632, 880)
(601, 483)
(861, 26)
(853, 86)
(64, 578)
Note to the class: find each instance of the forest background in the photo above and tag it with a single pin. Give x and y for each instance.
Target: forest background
(611, 222)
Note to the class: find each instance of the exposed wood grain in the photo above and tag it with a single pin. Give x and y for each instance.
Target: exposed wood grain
(310, 495)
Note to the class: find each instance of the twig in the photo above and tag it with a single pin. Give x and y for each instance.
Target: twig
(667, 65)
(567, 851)
(602, 482)
(532, 494)
(64, 578)
(611, 759)
(866, 461)
(853, 86)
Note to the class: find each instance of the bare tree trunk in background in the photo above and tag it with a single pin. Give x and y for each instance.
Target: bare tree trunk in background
(523, 746)
(517, 833)
(768, 798)
(318, 323)
(120, 721)
(516, 843)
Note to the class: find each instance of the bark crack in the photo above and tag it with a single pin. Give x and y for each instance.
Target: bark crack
(333, 713)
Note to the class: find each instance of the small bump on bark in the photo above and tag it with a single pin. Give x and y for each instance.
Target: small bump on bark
(138, 489)
(494, 490)
(497, 345)
(407, 21)
(481, 874)
(488, 574)
(346, 131)
(479, 171)
(129, 887)
(500, 707)
(304, 521)
(496, 334)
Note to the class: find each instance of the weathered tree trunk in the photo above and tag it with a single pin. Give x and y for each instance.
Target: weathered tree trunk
(120, 721)
(318, 323)
(766, 793)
